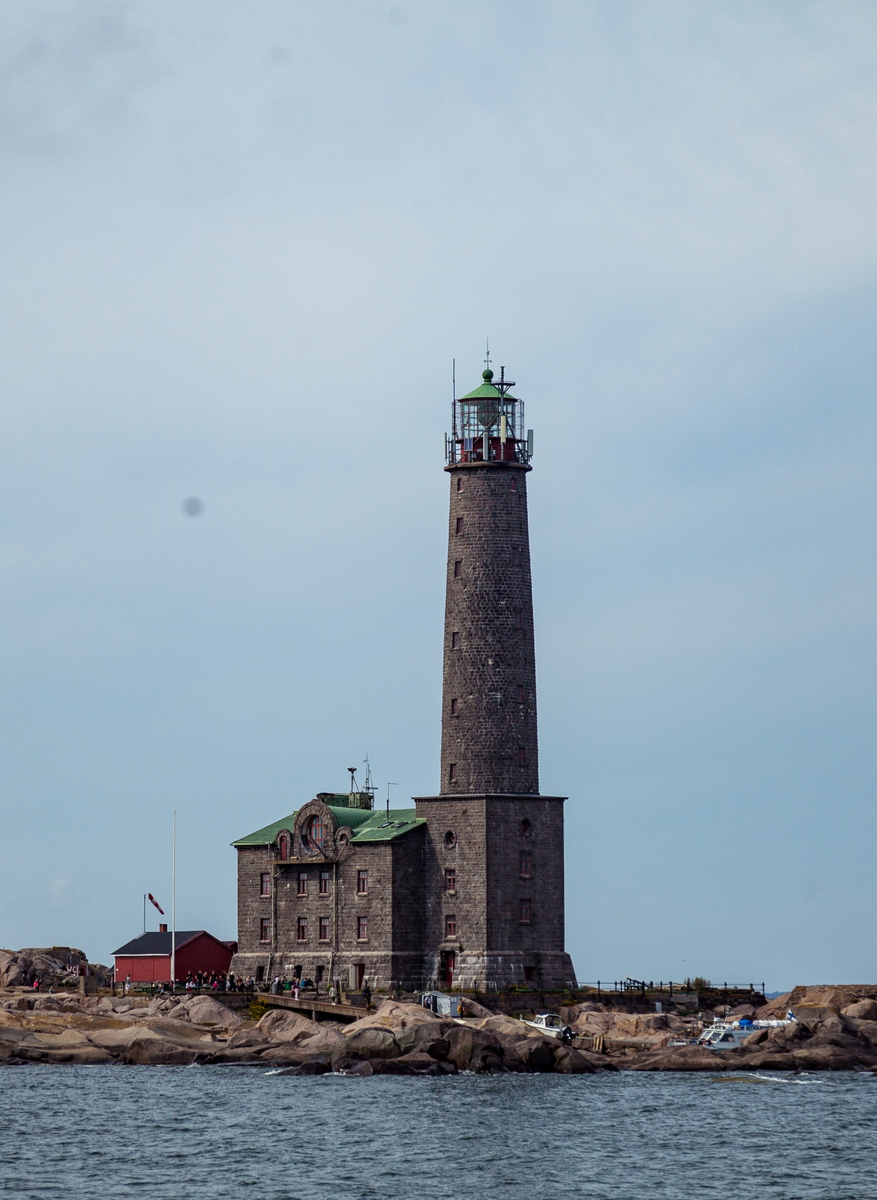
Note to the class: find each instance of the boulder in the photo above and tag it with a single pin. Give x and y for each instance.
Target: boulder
(639, 1024)
(571, 1013)
(830, 1058)
(425, 1064)
(686, 1058)
(536, 1053)
(295, 1029)
(769, 1060)
(314, 1066)
(568, 1061)
(473, 1049)
(156, 1050)
(367, 1042)
(204, 1010)
(471, 1008)
(862, 1010)
(247, 1039)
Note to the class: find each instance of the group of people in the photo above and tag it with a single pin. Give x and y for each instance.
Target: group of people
(201, 981)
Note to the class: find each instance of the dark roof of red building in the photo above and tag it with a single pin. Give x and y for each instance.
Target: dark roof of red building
(160, 943)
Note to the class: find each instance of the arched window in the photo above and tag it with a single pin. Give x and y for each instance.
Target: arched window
(315, 832)
(283, 846)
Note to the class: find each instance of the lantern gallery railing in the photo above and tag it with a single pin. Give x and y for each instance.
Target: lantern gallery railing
(488, 425)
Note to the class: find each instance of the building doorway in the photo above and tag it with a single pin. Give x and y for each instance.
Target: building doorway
(448, 963)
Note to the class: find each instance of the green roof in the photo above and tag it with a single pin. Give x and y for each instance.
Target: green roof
(368, 825)
(486, 392)
(383, 826)
(264, 837)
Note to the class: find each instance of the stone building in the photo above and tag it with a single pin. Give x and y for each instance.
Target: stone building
(466, 888)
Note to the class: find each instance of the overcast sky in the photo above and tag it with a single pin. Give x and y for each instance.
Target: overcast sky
(241, 245)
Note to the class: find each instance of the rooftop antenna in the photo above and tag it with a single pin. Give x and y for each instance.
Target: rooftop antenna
(487, 356)
(389, 785)
(454, 394)
(368, 787)
(352, 771)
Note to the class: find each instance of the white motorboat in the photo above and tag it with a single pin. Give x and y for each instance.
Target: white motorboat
(725, 1035)
(551, 1025)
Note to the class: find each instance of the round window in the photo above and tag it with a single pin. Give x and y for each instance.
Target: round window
(315, 832)
(525, 827)
(450, 838)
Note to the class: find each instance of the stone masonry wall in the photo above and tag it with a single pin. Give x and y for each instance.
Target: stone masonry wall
(489, 741)
(525, 863)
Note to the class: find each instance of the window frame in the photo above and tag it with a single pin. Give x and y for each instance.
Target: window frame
(324, 879)
(450, 926)
(450, 881)
(362, 928)
(264, 929)
(301, 929)
(362, 881)
(302, 883)
(324, 924)
(525, 911)
(265, 883)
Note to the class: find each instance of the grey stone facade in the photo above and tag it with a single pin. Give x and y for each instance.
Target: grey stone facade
(466, 889)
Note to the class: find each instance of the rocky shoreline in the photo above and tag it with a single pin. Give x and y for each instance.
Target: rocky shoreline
(835, 1030)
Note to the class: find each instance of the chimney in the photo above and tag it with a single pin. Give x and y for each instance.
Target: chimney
(162, 929)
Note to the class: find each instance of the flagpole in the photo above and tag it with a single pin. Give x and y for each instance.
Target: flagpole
(144, 912)
(174, 909)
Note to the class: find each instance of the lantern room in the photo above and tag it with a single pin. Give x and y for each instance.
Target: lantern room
(488, 424)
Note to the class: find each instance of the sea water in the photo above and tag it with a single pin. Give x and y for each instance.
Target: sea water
(192, 1132)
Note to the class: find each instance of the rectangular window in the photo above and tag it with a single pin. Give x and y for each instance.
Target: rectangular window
(514, 485)
(519, 620)
(459, 524)
(458, 568)
(526, 912)
(459, 483)
(452, 772)
(520, 693)
(455, 641)
(522, 756)
(324, 883)
(526, 864)
(361, 883)
(265, 887)
(516, 555)
(265, 930)
(454, 706)
(302, 883)
(450, 880)
(324, 929)
(362, 929)
(450, 925)
(302, 929)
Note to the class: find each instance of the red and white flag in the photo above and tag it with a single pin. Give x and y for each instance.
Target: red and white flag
(152, 900)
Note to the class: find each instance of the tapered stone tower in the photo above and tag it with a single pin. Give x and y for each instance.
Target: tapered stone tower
(494, 852)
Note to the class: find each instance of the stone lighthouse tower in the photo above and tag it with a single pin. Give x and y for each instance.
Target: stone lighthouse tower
(494, 912)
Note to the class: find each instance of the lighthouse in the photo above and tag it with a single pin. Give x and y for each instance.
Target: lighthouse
(494, 857)
(466, 888)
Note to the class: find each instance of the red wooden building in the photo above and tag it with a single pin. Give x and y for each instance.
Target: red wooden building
(147, 959)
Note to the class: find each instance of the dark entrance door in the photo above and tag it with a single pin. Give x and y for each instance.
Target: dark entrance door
(449, 961)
